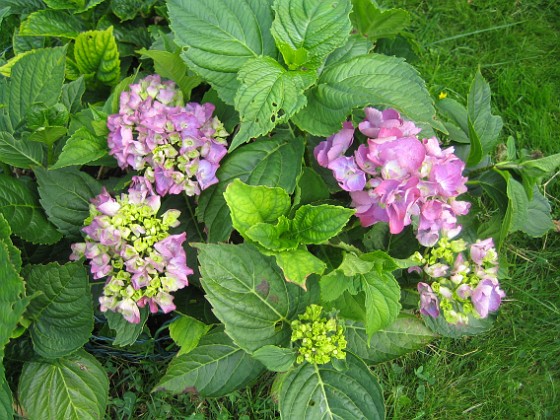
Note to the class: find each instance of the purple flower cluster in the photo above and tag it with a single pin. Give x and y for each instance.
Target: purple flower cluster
(396, 177)
(130, 245)
(461, 286)
(176, 147)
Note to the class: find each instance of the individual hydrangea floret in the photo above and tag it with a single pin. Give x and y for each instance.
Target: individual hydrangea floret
(320, 339)
(460, 285)
(396, 177)
(127, 242)
(175, 147)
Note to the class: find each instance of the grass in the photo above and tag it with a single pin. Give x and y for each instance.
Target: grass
(511, 372)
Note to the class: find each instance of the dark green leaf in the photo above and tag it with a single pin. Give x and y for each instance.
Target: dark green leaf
(6, 400)
(221, 36)
(20, 206)
(65, 196)
(127, 332)
(406, 334)
(456, 114)
(371, 79)
(248, 294)
(71, 388)
(20, 153)
(15, 253)
(539, 218)
(62, 313)
(474, 326)
(276, 359)
(322, 392)
(72, 95)
(214, 368)
(355, 45)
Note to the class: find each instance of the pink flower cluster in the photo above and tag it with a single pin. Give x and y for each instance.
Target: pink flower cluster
(130, 245)
(176, 148)
(396, 177)
(461, 286)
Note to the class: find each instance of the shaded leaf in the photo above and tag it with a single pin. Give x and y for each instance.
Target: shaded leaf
(81, 148)
(276, 359)
(20, 153)
(127, 332)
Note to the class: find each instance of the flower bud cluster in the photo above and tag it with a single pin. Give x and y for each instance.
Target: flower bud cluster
(176, 147)
(320, 338)
(127, 242)
(461, 285)
(396, 177)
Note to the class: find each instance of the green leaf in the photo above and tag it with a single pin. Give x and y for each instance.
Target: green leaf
(56, 23)
(311, 187)
(275, 162)
(47, 135)
(276, 359)
(81, 148)
(456, 114)
(77, 388)
(20, 153)
(6, 400)
(220, 36)
(127, 332)
(376, 23)
(214, 368)
(65, 196)
(323, 392)
(382, 300)
(473, 327)
(355, 45)
(128, 9)
(406, 334)
(12, 307)
(20, 206)
(371, 79)
(269, 95)
(518, 204)
(15, 253)
(248, 294)
(72, 94)
(539, 168)
(250, 205)
(187, 332)
(317, 224)
(484, 128)
(97, 56)
(171, 66)
(316, 26)
(35, 79)
(538, 219)
(299, 264)
(273, 237)
(62, 313)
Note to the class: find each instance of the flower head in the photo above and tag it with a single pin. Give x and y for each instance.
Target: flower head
(127, 242)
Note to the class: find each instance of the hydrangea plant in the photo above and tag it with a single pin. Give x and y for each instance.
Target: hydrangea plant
(321, 196)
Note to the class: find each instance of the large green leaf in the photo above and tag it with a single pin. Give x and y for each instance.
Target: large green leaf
(355, 45)
(20, 206)
(406, 334)
(6, 400)
(97, 56)
(81, 148)
(539, 217)
(35, 79)
(74, 387)
(323, 392)
(20, 153)
(14, 253)
(250, 205)
(62, 313)
(473, 327)
(276, 359)
(298, 264)
(220, 36)
(12, 307)
(248, 294)
(57, 23)
(371, 79)
(317, 27)
(214, 368)
(373, 22)
(484, 128)
(65, 196)
(275, 162)
(269, 95)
